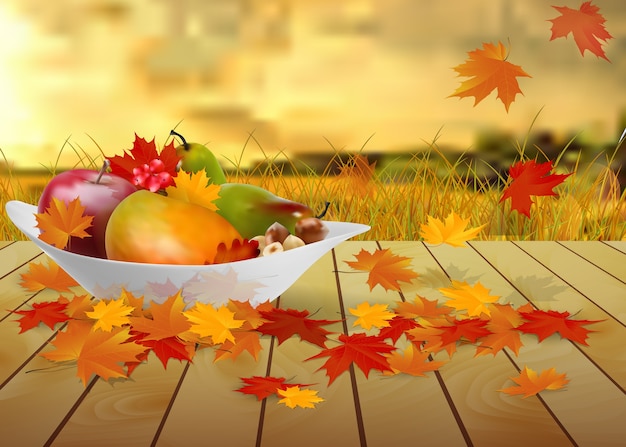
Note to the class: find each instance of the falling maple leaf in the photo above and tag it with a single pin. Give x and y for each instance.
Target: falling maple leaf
(196, 189)
(530, 178)
(503, 323)
(95, 352)
(412, 361)
(59, 222)
(284, 323)
(206, 321)
(146, 168)
(263, 387)
(530, 383)
(39, 277)
(365, 351)
(544, 323)
(293, 397)
(46, 312)
(474, 298)
(377, 315)
(489, 70)
(384, 267)
(109, 314)
(452, 232)
(586, 25)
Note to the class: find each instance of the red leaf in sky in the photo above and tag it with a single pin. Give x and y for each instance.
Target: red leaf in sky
(585, 24)
(48, 313)
(544, 323)
(285, 323)
(263, 387)
(530, 178)
(366, 351)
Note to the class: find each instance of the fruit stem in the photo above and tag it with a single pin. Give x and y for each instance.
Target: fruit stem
(185, 144)
(105, 166)
(323, 213)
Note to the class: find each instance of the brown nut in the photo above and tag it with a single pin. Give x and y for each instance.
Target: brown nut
(292, 241)
(274, 247)
(276, 232)
(311, 229)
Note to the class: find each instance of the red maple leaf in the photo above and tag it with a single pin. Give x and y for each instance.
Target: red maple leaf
(144, 167)
(397, 326)
(544, 323)
(530, 178)
(470, 329)
(168, 348)
(283, 323)
(263, 387)
(366, 351)
(238, 251)
(585, 24)
(47, 312)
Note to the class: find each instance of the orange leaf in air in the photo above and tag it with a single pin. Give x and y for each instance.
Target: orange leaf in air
(40, 277)
(489, 70)
(60, 222)
(530, 383)
(385, 268)
(585, 24)
(95, 352)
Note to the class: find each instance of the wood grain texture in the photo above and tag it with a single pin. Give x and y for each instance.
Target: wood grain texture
(603, 256)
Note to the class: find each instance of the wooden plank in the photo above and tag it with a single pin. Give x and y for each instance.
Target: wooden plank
(618, 245)
(472, 383)
(600, 255)
(4, 244)
(126, 409)
(16, 255)
(334, 421)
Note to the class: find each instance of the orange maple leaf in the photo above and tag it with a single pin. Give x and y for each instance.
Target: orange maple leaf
(246, 339)
(60, 222)
(95, 352)
(167, 319)
(530, 383)
(385, 268)
(585, 24)
(424, 310)
(40, 277)
(412, 361)
(489, 70)
(503, 323)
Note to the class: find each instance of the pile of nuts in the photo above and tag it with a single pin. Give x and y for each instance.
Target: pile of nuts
(277, 237)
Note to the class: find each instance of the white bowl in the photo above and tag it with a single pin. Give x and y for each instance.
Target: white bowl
(256, 280)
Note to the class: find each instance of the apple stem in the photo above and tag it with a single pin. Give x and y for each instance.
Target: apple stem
(323, 213)
(105, 166)
(185, 144)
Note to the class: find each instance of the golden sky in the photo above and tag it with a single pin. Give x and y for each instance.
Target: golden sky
(294, 72)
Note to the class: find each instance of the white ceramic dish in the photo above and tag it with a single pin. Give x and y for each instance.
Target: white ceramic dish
(256, 280)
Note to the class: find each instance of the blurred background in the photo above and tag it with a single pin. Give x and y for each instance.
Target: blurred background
(302, 76)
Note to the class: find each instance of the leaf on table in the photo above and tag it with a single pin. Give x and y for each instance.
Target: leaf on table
(397, 327)
(246, 340)
(377, 315)
(489, 70)
(530, 383)
(452, 231)
(365, 351)
(530, 179)
(245, 311)
(109, 314)
(166, 319)
(95, 352)
(263, 387)
(169, 348)
(475, 299)
(284, 323)
(385, 268)
(47, 312)
(77, 306)
(586, 24)
(195, 188)
(544, 323)
(40, 277)
(411, 361)
(206, 321)
(502, 324)
(293, 397)
(423, 309)
(446, 337)
(59, 222)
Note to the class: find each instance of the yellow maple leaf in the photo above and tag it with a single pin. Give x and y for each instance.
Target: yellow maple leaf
(109, 314)
(451, 232)
(530, 383)
(412, 361)
(384, 267)
(195, 188)
(59, 222)
(40, 277)
(294, 396)
(207, 321)
(474, 299)
(376, 315)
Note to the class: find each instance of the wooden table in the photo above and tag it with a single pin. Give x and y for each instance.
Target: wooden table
(194, 404)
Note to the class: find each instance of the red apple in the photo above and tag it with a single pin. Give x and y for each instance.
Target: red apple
(98, 192)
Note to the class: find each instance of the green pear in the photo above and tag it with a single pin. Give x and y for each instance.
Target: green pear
(252, 209)
(196, 156)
